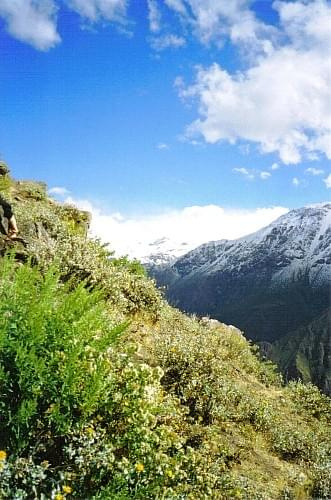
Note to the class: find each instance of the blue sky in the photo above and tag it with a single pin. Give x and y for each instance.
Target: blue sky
(147, 107)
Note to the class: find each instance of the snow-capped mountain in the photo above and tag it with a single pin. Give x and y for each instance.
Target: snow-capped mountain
(296, 242)
(269, 283)
(165, 250)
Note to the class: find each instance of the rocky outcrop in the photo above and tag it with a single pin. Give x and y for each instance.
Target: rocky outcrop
(38, 217)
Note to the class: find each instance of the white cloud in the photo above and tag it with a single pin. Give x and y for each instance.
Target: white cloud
(59, 191)
(249, 174)
(182, 230)
(327, 181)
(252, 173)
(167, 41)
(283, 100)
(177, 5)
(162, 145)
(154, 16)
(296, 181)
(96, 10)
(35, 21)
(31, 21)
(275, 166)
(265, 175)
(314, 171)
(306, 23)
(213, 21)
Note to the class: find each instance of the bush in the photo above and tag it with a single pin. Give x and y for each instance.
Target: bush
(78, 416)
(53, 357)
(205, 367)
(50, 237)
(32, 190)
(309, 399)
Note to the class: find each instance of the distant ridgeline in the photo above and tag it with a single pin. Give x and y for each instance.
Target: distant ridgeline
(108, 393)
(274, 285)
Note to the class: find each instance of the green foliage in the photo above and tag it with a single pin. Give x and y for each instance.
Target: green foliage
(53, 361)
(106, 392)
(215, 373)
(125, 286)
(76, 220)
(205, 368)
(309, 398)
(79, 259)
(79, 410)
(32, 190)
(5, 184)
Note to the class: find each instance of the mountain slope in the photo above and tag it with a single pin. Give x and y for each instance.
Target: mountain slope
(107, 392)
(269, 284)
(306, 353)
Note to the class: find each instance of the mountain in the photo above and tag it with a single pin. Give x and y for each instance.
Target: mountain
(273, 284)
(164, 251)
(107, 392)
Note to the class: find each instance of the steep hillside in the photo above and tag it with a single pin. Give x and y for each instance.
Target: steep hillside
(306, 353)
(109, 393)
(269, 284)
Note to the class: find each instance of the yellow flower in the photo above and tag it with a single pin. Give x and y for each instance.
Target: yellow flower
(140, 467)
(67, 489)
(58, 496)
(3, 455)
(170, 473)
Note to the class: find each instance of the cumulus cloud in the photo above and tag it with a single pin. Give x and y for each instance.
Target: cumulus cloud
(249, 174)
(35, 21)
(265, 175)
(154, 16)
(162, 145)
(252, 174)
(214, 21)
(177, 5)
(282, 102)
(174, 230)
(275, 166)
(31, 21)
(306, 23)
(327, 181)
(96, 10)
(296, 182)
(59, 191)
(314, 171)
(167, 41)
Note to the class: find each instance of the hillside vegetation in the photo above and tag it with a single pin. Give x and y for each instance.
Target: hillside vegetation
(273, 284)
(109, 393)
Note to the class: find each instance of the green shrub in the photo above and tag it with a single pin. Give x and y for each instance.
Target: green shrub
(69, 401)
(86, 414)
(322, 480)
(206, 366)
(50, 238)
(309, 400)
(52, 341)
(32, 190)
(79, 416)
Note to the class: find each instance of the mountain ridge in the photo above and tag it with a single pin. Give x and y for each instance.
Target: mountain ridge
(268, 283)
